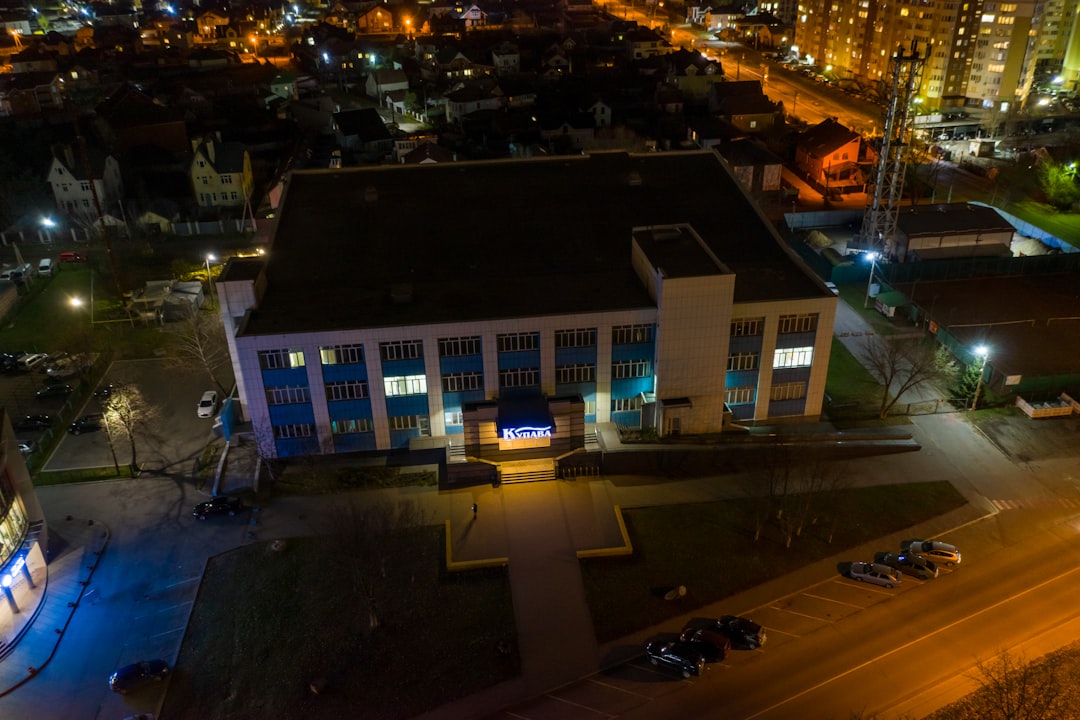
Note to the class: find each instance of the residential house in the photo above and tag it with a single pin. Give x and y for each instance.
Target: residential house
(381, 82)
(828, 154)
(756, 169)
(211, 24)
(693, 73)
(363, 132)
(642, 42)
(744, 105)
(708, 131)
(75, 185)
(221, 173)
(30, 94)
(567, 133)
(130, 119)
(158, 217)
(518, 91)
(283, 85)
(668, 99)
(33, 60)
(459, 15)
(428, 153)
(405, 145)
(763, 30)
(377, 19)
(697, 14)
(472, 98)
(506, 58)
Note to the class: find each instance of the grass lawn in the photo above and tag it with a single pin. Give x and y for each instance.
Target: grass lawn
(266, 624)
(1064, 225)
(855, 395)
(624, 593)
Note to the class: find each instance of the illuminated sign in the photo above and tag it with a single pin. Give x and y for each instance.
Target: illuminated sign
(526, 432)
(15, 567)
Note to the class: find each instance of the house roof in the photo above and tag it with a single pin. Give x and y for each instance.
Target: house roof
(75, 164)
(569, 253)
(826, 137)
(743, 152)
(363, 123)
(228, 156)
(427, 152)
(950, 219)
(747, 105)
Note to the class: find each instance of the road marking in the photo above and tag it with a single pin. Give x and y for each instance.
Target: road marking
(168, 632)
(193, 578)
(838, 602)
(906, 645)
(622, 690)
(794, 612)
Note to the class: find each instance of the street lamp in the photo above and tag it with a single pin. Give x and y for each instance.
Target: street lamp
(981, 352)
(210, 278)
(873, 262)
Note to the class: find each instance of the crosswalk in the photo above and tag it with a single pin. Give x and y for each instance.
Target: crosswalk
(1034, 503)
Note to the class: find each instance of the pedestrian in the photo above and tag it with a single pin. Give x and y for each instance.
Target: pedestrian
(474, 511)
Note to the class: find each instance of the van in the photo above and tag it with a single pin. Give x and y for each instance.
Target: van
(31, 361)
(72, 257)
(45, 267)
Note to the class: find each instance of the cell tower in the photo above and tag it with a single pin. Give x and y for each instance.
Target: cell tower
(879, 222)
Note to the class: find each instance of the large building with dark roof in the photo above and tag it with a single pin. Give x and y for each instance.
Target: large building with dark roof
(510, 304)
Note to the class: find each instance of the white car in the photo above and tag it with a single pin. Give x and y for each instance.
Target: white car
(208, 404)
(875, 573)
(941, 553)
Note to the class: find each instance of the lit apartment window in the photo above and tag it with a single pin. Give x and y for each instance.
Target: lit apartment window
(631, 334)
(345, 427)
(575, 373)
(626, 404)
(624, 369)
(284, 432)
(788, 391)
(401, 350)
(519, 377)
(410, 422)
(738, 395)
(747, 326)
(797, 323)
(287, 395)
(575, 338)
(793, 357)
(454, 418)
(342, 354)
(280, 359)
(463, 381)
(459, 346)
(346, 390)
(512, 342)
(742, 361)
(405, 385)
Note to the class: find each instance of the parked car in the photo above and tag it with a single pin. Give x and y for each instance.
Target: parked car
(19, 272)
(941, 553)
(221, 505)
(131, 677)
(30, 361)
(86, 423)
(743, 632)
(207, 405)
(9, 361)
(54, 390)
(67, 257)
(678, 656)
(104, 392)
(31, 423)
(875, 573)
(46, 267)
(27, 446)
(909, 564)
(712, 644)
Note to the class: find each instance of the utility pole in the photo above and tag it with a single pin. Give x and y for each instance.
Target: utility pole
(878, 231)
(84, 157)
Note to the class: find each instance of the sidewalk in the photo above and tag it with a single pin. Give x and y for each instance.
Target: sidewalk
(79, 544)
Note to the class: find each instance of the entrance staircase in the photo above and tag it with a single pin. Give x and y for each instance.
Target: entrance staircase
(527, 470)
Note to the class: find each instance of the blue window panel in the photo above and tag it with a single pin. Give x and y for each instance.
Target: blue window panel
(792, 340)
(741, 378)
(519, 359)
(455, 429)
(453, 402)
(787, 375)
(630, 418)
(397, 368)
(528, 391)
(353, 442)
(349, 409)
(641, 351)
(742, 411)
(590, 418)
(342, 373)
(287, 376)
(406, 405)
(785, 408)
(401, 438)
(586, 390)
(300, 414)
(291, 447)
(630, 387)
(465, 363)
(746, 343)
(575, 356)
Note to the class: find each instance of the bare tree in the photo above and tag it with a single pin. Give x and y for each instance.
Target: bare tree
(903, 365)
(1011, 688)
(126, 412)
(365, 534)
(200, 344)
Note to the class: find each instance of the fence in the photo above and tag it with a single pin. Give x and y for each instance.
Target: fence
(216, 227)
(48, 237)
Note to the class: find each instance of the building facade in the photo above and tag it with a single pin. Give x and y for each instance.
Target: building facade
(640, 290)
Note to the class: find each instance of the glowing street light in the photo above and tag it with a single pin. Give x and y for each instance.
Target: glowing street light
(873, 263)
(982, 352)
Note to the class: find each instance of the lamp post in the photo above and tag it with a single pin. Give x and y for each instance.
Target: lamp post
(870, 281)
(210, 278)
(77, 302)
(982, 352)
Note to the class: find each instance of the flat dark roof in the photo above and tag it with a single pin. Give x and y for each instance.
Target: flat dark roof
(676, 252)
(508, 238)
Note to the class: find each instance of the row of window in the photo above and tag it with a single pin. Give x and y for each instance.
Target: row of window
(782, 358)
(355, 425)
(780, 391)
(454, 347)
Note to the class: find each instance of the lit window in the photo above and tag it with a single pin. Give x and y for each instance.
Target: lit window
(793, 357)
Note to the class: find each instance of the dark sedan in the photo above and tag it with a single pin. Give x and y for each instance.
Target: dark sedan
(86, 423)
(707, 641)
(910, 564)
(679, 656)
(222, 505)
(32, 423)
(57, 390)
(743, 633)
(131, 677)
